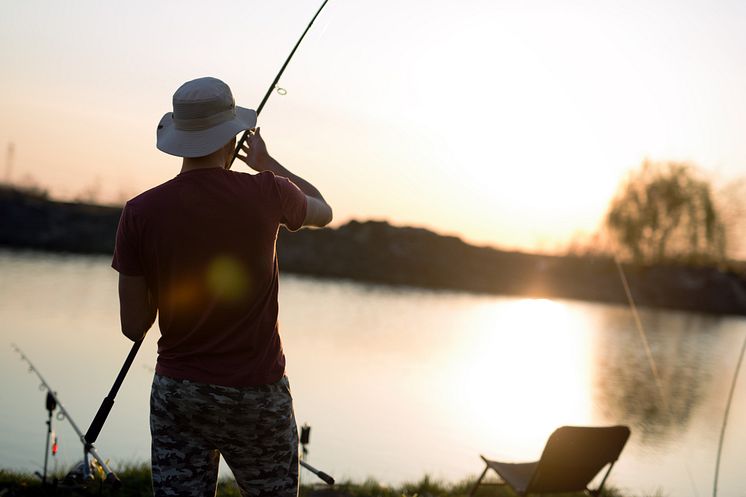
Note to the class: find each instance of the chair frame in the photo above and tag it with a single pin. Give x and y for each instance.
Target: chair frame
(609, 465)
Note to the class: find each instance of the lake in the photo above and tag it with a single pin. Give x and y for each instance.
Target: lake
(397, 383)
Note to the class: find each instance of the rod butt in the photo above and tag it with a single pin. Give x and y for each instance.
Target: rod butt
(327, 479)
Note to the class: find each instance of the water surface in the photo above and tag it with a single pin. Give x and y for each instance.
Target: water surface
(399, 383)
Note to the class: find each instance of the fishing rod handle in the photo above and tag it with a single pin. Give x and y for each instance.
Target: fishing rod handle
(327, 479)
(98, 422)
(125, 368)
(103, 412)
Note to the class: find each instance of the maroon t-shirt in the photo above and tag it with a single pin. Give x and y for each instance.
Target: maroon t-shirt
(205, 242)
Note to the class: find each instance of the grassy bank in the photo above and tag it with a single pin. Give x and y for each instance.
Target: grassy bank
(136, 483)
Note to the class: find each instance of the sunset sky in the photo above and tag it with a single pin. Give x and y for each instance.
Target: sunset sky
(506, 122)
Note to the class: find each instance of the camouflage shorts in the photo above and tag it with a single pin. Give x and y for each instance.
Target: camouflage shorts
(253, 428)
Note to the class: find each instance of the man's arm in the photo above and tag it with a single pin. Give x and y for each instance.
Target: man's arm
(318, 212)
(137, 308)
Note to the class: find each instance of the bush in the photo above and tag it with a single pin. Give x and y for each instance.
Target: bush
(666, 212)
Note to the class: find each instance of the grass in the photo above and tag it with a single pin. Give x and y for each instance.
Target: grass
(135, 480)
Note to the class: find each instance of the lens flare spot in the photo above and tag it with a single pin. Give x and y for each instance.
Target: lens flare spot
(183, 293)
(227, 279)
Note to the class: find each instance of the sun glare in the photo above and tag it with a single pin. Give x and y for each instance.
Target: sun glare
(522, 372)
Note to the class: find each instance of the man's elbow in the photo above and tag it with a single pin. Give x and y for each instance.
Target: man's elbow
(327, 216)
(322, 218)
(133, 334)
(135, 330)
(318, 213)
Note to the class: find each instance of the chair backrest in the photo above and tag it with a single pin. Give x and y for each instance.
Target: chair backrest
(574, 455)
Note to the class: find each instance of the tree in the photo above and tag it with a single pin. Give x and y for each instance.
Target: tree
(664, 211)
(732, 209)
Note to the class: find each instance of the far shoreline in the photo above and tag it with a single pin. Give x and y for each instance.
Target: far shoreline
(377, 252)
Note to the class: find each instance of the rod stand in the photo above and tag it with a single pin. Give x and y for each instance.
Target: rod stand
(51, 405)
(305, 438)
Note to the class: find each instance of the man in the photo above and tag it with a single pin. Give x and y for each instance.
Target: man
(199, 250)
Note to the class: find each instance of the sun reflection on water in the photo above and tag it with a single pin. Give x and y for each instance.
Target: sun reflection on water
(523, 370)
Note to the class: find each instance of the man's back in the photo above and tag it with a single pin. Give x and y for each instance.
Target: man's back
(205, 242)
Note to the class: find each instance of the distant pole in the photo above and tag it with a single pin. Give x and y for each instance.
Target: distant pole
(9, 162)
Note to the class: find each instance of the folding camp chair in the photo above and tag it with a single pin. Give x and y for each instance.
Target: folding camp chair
(572, 458)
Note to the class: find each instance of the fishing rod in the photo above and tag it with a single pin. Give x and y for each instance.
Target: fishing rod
(274, 86)
(108, 402)
(53, 402)
(654, 370)
(648, 351)
(725, 419)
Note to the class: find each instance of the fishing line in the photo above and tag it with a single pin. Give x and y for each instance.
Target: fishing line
(654, 369)
(649, 354)
(725, 418)
(641, 332)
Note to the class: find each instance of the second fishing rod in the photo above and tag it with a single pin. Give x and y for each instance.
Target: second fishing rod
(103, 412)
(53, 402)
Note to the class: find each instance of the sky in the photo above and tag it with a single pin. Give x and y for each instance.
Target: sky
(505, 122)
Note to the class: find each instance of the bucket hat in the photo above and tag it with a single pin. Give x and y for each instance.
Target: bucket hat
(204, 118)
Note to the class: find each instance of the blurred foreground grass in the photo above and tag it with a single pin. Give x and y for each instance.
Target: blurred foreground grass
(136, 483)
